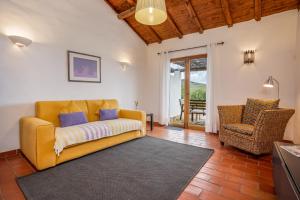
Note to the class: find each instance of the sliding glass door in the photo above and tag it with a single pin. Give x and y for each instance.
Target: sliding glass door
(177, 92)
(197, 94)
(188, 92)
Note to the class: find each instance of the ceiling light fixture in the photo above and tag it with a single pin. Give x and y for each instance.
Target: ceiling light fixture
(151, 12)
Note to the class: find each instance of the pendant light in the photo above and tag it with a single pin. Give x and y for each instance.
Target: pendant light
(151, 12)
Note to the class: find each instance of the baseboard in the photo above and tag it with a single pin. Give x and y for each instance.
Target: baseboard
(288, 141)
(10, 153)
(158, 124)
(155, 124)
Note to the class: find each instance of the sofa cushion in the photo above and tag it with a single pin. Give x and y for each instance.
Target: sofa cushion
(71, 108)
(95, 105)
(50, 110)
(108, 114)
(104, 106)
(253, 108)
(70, 119)
(245, 129)
(77, 134)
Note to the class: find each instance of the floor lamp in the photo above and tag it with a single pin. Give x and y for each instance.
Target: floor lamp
(270, 84)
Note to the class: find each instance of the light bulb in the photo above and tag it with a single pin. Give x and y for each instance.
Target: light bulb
(150, 10)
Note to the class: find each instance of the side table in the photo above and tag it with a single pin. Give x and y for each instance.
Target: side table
(150, 115)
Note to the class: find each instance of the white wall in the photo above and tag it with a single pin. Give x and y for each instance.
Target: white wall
(39, 72)
(297, 119)
(274, 38)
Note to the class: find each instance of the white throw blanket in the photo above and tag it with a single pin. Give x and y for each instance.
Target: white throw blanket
(92, 131)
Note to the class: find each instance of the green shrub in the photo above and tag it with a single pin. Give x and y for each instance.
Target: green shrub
(197, 91)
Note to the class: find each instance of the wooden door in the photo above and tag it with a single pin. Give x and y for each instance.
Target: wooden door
(187, 123)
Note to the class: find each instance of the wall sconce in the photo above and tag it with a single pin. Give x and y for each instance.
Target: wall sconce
(19, 41)
(124, 66)
(249, 56)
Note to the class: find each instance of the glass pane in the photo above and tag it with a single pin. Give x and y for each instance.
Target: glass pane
(176, 103)
(198, 81)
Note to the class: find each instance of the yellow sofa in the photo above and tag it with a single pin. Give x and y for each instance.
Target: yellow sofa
(37, 134)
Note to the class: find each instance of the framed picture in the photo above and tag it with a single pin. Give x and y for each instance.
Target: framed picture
(84, 67)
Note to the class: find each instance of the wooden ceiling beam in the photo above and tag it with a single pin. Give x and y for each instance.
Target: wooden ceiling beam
(156, 34)
(226, 12)
(173, 24)
(257, 10)
(127, 13)
(147, 43)
(131, 2)
(193, 15)
(110, 5)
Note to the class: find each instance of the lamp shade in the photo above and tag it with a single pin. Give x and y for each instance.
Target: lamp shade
(269, 82)
(19, 41)
(151, 12)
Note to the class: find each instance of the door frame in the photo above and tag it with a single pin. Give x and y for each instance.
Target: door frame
(187, 62)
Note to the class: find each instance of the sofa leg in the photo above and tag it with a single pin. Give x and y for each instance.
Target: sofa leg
(222, 143)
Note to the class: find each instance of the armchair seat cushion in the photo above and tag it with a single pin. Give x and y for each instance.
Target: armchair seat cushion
(245, 129)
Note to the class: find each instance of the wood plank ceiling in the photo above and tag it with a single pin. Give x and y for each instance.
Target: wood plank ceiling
(191, 16)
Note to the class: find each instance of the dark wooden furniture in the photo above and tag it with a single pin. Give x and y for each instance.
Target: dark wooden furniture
(150, 115)
(197, 107)
(286, 173)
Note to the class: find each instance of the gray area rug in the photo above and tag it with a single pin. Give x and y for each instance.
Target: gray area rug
(143, 169)
(174, 128)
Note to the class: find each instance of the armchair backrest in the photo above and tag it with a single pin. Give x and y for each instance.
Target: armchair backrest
(271, 124)
(255, 106)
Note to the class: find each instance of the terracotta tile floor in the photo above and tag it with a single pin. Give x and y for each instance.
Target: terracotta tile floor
(229, 174)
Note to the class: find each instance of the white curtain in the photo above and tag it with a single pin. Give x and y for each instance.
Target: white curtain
(211, 107)
(164, 68)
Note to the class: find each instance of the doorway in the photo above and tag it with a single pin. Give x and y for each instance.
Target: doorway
(187, 100)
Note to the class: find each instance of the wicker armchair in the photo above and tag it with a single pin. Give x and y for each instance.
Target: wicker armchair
(258, 138)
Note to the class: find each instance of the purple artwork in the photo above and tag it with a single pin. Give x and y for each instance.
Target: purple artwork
(85, 68)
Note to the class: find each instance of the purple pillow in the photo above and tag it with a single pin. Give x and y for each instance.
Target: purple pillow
(70, 119)
(108, 114)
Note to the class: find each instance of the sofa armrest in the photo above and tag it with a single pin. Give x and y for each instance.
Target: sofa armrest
(135, 114)
(37, 138)
(270, 124)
